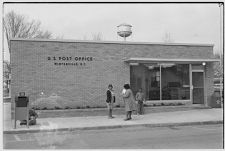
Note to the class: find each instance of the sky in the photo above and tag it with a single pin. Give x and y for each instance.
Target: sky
(185, 22)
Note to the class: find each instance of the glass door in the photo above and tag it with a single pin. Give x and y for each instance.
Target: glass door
(198, 87)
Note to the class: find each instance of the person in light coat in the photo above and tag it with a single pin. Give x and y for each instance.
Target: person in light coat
(129, 101)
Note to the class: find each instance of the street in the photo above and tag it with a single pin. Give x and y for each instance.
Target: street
(181, 137)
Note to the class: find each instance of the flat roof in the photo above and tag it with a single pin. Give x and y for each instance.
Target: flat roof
(113, 42)
(150, 60)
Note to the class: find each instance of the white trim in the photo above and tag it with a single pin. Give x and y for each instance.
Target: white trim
(197, 70)
(166, 101)
(114, 42)
(170, 60)
(133, 64)
(191, 84)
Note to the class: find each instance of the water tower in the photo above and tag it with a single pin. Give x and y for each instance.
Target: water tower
(124, 30)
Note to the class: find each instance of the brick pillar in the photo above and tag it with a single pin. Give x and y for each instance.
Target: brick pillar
(209, 75)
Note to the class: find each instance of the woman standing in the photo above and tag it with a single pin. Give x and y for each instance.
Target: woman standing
(129, 101)
(110, 100)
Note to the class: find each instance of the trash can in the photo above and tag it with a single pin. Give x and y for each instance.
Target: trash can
(21, 109)
(215, 101)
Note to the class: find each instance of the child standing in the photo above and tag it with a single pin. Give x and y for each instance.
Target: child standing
(110, 100)
(140, 99)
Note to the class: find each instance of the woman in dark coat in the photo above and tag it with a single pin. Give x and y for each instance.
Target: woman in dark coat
(129, 101)
(110, 100)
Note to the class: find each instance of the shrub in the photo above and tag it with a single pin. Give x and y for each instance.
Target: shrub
(179, 103)
(118, 105)
(57, 108)
(67, 107)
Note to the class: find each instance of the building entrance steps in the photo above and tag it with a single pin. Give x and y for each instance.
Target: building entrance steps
(176, 118)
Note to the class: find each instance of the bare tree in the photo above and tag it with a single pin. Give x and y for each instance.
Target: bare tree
(97, 36)
(218, 67)
(168, 38)
(59, 37)
(6, 77)
(84, 37)
(18, 26)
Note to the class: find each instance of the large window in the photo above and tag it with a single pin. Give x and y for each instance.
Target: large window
(161, 81)
(154, 82)
(175, 82)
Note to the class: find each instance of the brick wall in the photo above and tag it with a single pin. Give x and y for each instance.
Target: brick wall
(33, 73)
(209, 76)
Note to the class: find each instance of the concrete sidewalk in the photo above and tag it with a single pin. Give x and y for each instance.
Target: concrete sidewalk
(176, 118)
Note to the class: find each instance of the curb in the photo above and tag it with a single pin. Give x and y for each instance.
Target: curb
(122, 108)
(103, 111)
(112, 127)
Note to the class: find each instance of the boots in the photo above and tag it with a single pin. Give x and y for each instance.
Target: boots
(110, 114)
(127, 116)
